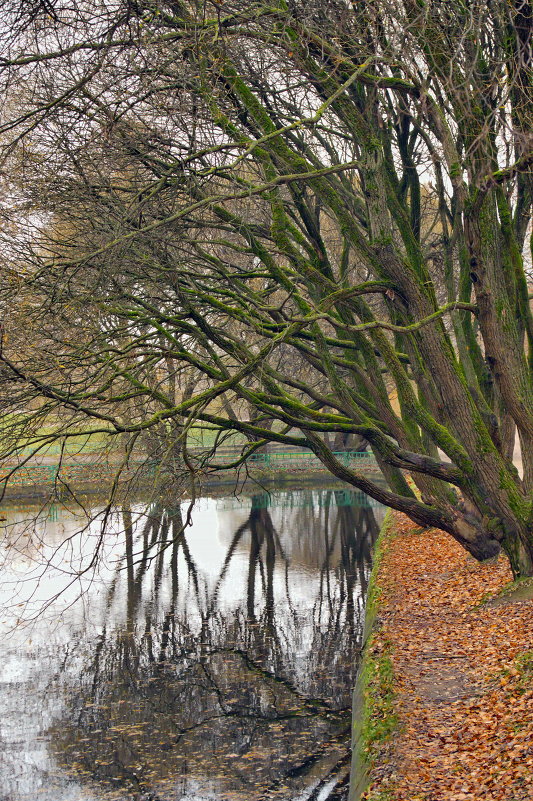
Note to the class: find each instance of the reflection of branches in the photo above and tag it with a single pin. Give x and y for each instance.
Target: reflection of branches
(186, 670)
(316, 705)
(343, 762)
(306, 764)
(229, 555)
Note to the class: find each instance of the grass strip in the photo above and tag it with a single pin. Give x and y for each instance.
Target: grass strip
(374, 715)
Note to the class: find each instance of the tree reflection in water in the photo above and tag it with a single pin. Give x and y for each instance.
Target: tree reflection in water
(201, 697)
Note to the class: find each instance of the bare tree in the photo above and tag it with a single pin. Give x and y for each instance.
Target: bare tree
(319, 210)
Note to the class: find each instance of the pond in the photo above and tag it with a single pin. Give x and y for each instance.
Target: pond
(141, 660)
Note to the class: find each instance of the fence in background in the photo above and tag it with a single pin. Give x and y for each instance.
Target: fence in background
(97, 471)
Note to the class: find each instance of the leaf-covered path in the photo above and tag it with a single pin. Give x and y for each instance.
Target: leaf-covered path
(463, 670)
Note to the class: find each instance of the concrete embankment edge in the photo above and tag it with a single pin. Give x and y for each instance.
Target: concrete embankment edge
(369, 687)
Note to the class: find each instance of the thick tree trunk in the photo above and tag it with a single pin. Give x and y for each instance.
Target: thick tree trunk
(479, 543)
(483, 533)
(485, 538)
(519, 549)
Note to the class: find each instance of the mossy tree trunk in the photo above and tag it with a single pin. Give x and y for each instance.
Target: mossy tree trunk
(319, 211)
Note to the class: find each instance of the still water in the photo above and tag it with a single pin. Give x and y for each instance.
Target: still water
(141, 661)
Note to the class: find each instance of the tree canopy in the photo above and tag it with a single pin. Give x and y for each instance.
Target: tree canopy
(298, 221)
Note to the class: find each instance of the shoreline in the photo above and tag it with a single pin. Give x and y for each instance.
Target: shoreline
(255, 478)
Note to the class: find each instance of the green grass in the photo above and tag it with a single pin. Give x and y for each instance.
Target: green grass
(379, 716)
(508, 589)
(524, 665)
(206, 436)
(378, 719)
(386, 534)
(73, 444)
(203, 436)
(381, 795)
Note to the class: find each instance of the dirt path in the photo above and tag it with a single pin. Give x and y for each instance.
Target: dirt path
(463, 673)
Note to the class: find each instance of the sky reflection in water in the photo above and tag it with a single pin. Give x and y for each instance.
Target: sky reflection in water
(216, 664)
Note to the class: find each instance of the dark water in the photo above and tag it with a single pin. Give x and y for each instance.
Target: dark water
(211, 664)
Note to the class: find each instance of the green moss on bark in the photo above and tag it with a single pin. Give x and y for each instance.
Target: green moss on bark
(375, 718)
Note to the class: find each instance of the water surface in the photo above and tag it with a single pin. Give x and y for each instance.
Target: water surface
(205, 664)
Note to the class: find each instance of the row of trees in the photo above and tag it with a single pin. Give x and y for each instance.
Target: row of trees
(298, 221)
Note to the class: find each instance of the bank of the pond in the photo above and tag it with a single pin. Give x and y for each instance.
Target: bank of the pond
(215, 485)
(443, 707)
(87, 477)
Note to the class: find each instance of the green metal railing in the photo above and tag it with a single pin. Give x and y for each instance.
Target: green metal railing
(309, 459)
(297, 500)
(295, 460)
